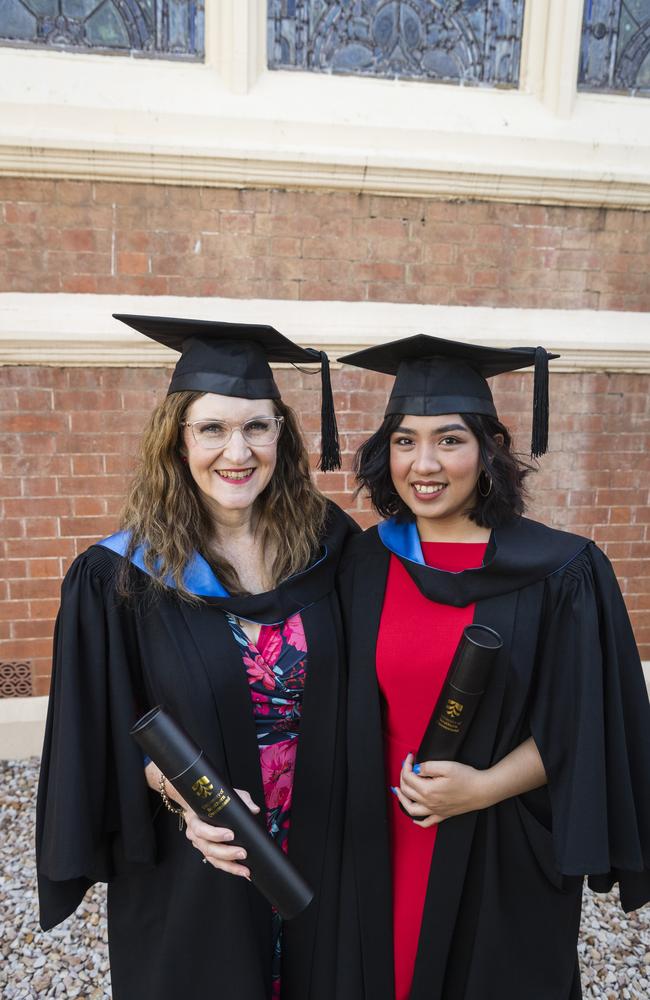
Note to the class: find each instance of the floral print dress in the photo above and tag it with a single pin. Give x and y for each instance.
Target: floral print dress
(276, 667)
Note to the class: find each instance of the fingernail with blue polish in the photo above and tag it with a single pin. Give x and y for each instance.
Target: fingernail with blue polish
(393, 789)
(416, 769)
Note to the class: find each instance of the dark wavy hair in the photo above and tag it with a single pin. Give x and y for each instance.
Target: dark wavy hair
(507, 497)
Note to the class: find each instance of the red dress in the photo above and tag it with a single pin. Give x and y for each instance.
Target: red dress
(417, 639)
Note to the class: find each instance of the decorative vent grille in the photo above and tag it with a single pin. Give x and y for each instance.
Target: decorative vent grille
(15, 679)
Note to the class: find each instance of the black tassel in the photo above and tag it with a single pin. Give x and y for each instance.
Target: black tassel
(330, 452)
(539, 441)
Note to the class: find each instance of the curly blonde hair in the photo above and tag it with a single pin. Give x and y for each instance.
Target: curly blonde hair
(165, 512)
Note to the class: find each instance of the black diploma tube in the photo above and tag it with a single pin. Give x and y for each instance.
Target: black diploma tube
(461, 693)
(185, 765)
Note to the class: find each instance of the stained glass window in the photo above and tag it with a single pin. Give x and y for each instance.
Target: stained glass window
(615, 53)
(167, 28)
(461, 41)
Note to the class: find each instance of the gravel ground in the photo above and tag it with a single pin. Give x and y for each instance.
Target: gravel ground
(72, 960)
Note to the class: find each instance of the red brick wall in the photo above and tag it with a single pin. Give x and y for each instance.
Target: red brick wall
(60, 236)
(69, 437)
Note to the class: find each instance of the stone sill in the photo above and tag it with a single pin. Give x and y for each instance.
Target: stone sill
(78, 330)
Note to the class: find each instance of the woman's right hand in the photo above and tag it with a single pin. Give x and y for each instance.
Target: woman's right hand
(213, 841)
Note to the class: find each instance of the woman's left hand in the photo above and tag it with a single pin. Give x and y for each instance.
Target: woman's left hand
(441, 789)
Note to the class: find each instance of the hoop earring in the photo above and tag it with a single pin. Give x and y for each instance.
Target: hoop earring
(478, 485)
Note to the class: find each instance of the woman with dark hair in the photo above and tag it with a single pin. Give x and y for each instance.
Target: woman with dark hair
(503, 494)
(215, 599)
(462, 878)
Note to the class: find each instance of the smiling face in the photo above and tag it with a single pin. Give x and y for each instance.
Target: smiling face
(232, 477)
(434, 465)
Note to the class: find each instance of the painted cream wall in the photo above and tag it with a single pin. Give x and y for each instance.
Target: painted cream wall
(61, 329)
(22, 727)
(232, 122)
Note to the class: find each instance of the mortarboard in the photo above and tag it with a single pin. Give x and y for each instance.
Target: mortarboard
(232, 359)
(444, 376)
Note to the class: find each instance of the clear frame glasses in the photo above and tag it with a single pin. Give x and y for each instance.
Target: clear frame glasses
(214, 434)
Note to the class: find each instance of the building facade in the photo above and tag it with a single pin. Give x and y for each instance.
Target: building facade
(350, 173)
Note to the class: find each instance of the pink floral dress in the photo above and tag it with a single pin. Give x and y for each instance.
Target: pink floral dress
(276, 667)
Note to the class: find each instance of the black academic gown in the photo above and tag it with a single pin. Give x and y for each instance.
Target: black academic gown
(502, 910)
(179, 928)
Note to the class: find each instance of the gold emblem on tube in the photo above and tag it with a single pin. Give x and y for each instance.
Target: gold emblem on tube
(449, 719)
(204, 789)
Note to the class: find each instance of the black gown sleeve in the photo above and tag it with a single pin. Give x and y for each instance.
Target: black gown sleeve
(591, 722)
(93, 812)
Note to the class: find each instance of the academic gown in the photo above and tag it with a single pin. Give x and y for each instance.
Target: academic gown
(502, 910)
(178, 927)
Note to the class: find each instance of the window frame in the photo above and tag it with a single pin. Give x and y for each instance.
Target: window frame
(230, 121)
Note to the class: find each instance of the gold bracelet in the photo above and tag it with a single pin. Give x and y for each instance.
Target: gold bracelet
(178, 810)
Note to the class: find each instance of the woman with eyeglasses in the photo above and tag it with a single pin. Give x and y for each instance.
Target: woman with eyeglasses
(216, 600)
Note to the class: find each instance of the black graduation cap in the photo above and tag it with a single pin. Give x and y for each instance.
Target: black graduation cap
(232, 359)
(444, 376)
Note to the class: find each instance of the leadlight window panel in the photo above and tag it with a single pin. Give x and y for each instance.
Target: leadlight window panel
(455, 41)
(615, 51)
(169, 29)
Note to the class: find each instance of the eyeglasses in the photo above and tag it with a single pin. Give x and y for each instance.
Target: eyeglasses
(256, 432)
